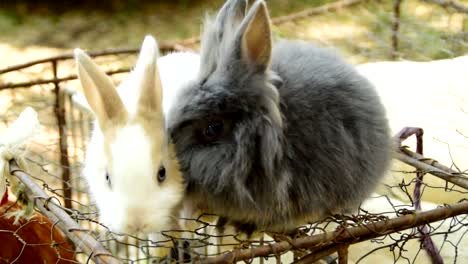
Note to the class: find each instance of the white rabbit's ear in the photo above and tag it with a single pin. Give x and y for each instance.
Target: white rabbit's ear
(150, 101)
(99, 91)
(256, 35)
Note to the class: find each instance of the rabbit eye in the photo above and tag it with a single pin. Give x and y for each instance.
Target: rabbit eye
(213, 130)
(108, 179)
(161, 174)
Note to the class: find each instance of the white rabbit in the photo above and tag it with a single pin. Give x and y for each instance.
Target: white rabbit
(176, 69)
(432, 95)
(130, 165)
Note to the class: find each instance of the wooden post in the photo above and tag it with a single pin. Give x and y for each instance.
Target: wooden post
(395, 28)
(57, 215)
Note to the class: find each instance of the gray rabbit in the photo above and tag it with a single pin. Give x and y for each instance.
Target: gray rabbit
(269, 138)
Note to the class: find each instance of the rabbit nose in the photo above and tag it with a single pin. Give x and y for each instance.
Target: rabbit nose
(136, 222)
(136, 226)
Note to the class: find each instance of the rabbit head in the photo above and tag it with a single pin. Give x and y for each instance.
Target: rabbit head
(231, 111)
(130, 165)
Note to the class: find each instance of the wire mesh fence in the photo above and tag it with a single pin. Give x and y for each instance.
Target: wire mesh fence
(387, 228)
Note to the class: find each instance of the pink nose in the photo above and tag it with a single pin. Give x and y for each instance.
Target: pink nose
(136, 220)
(137, 227)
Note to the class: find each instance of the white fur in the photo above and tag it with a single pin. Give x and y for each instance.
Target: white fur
(21, 130)
(175, 69)
(136, 203)
(434, 96)
(18, 134)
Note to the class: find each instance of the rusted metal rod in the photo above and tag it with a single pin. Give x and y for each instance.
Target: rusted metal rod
(53, 80)
(163, 48)
(58, 216)
(432, 167)
(347, 236)
(323, 244)
(343, 254)
(317, 255)
(59, 110)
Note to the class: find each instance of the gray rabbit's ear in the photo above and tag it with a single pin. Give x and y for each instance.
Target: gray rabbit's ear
(236, 14)
(255, 36)
(229, 17)
(217, 30)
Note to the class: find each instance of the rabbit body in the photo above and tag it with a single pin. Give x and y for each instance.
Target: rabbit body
(269, 139)
(131, 168)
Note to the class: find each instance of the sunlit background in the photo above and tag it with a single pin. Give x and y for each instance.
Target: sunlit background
(35, 29)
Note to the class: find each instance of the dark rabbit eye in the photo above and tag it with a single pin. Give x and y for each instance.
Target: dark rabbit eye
(108, 179)
(213, 130)
(161, 174)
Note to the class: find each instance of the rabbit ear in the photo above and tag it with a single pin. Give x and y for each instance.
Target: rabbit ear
(150, 101)
(230, 16)
(255, 34)
(99, 91)
(217, 30)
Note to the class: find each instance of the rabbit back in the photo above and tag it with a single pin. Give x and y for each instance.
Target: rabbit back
(329, 153)
(338, 139)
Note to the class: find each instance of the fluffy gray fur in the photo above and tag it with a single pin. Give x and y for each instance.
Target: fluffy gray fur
(302, 136)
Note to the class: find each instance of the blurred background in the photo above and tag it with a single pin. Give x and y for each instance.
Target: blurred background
(32, 29)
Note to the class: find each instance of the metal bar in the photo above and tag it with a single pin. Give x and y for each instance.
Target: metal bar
(67, 57)
(53, 80)
(317, 255)
(432, 167)
(343, 254)
(163, 48)
(58, 216)
(63, 141)
(349, 235)
(426, 240)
